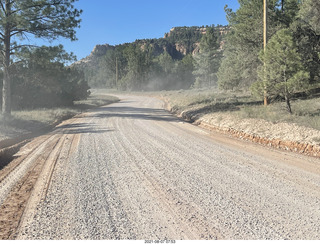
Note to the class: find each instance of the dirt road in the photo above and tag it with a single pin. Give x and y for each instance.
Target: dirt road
(130, 170)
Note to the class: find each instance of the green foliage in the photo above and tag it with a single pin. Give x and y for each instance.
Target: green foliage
(48, 19)
(228, 75)
(161, 45)
(208, 60)
(186, 36)
(292, 59)
(154, 64)
(308, 44)
(42, 18)
(310, 14)
(245, 40)
(287, 12)
(42, 80)
(45, 55)
(306, 33)
(283, 73)
(166, 62)
(184, 72)
(209, 41)
(113, 60)
(169, 74)
(138, 66)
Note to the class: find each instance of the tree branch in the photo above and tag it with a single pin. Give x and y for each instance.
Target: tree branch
(39, 5)
(24, 45)
(4, 10)
(17, 32)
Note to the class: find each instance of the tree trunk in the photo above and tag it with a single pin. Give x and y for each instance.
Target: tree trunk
(288, 104)
(265, 41)
(6, 89)
(117, 73)
(6, 94)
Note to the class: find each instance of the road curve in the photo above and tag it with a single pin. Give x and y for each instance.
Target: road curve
(130, 170)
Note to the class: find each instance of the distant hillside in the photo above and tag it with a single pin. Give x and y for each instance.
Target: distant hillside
(93, 58)
(178, 42)
(186, 39)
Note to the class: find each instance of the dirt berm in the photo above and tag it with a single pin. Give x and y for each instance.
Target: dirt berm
(11, 145)
(286, 136)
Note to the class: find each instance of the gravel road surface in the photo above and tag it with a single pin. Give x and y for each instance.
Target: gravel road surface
(130, 170)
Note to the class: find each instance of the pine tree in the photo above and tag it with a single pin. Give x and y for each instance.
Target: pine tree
(245, 39)
(283, 73)
(228, 77)
(208, 60)
(310, 14)
(307, 36)
(138, 68)
(41, 18)
(42, 79)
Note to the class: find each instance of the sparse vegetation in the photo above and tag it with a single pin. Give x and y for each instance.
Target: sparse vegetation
(241, 106)
(22, 121)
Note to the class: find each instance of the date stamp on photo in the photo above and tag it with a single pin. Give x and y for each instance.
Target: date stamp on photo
(160, 241)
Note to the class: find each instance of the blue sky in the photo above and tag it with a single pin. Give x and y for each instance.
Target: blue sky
(120, 21)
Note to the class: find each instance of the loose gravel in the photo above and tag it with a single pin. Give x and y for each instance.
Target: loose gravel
(136, 172)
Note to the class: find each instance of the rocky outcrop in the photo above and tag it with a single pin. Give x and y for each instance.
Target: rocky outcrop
(196, 48)
(181, 48)
(187, 39)
(100, 50)
(180, 41)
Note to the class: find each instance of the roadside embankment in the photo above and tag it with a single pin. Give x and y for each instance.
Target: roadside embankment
(10, 143)
(226, 118)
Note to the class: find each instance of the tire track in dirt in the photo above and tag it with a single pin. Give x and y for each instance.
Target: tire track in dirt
(19, 178)
(23, 164)
(17, 189)
(41, 187)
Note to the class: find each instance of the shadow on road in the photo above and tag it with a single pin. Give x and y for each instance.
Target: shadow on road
(135, 113)
(80, 128)
(120, 110)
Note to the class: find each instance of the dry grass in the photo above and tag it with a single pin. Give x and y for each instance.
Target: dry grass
(96, 99)
(306, 112)
(45, 116)
(30, 120)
